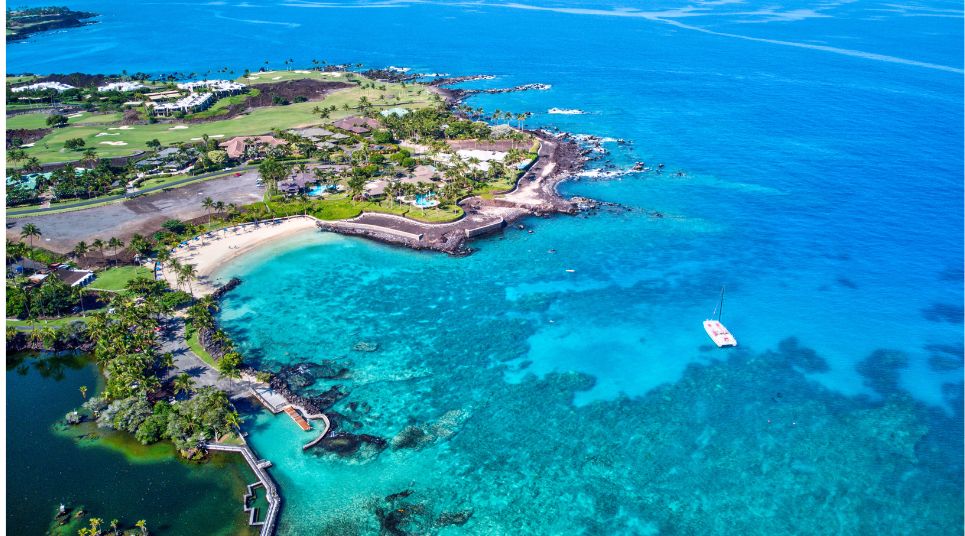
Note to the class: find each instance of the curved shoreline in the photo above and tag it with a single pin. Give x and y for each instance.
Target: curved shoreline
(535, 194)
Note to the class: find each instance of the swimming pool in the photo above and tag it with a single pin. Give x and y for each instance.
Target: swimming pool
(320, 189)
(425, 200)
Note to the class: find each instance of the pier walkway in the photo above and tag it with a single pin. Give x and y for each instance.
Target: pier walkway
(327, 425)
(299, 420)
(270, 523)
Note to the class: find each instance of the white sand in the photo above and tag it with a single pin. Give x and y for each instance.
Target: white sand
(78, 114)
(116, 143)
(303, 72)
(216, 136)
(276, 78)
(125, 127)
(99, 134)
(225, 245)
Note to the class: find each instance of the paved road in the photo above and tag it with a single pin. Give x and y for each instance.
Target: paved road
(104, 199)
(172, 340)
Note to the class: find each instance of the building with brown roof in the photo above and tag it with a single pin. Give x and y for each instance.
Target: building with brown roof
(357, 125)
(238, 147)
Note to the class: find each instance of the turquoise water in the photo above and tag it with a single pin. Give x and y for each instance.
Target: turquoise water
(821, 151)
(424, 201)
(319, 189)
(47, 467)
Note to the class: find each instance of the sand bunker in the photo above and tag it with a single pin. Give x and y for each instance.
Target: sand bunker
(99, 134)
(276, 78)
(113, 143)
(78, 114)
(125, 127)
(178, 127)
(216, 136)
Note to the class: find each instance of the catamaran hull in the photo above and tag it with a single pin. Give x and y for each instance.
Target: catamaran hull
(719, 334)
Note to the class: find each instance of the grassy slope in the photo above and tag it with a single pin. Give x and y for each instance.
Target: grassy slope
(33, 121)
(114, 279)
(19, 79)
(340, 207)
(195, 345)
(259, 121)
(54, 323)
(269, 77)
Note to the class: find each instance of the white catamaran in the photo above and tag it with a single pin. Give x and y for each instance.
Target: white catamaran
(718, 333)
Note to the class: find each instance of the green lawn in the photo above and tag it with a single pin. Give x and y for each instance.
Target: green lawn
(19, 79)
(195, 345)
(54, 322)
(34, 121)
(269, 77)
(122, 141)
(340, 207)
(115, 279)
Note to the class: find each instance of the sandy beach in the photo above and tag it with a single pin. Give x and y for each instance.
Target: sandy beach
(210, 252)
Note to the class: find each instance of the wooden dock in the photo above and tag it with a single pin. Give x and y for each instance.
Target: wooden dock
(297, 417)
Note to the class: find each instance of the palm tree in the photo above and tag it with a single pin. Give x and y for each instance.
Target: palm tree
(142, 524)
(90, 157)
(187, 273)
(32, 164)
(115, 243)
(83, 391)
(232, 419)
(206, 204)
(81, 249)
(99, 245)
(219, 208)
(183, 383)
(114, 526)
(30, 231)
(139, 244)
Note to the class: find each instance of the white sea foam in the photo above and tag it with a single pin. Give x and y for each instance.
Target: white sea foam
(565, 111)
(607, 174)
(669, 16)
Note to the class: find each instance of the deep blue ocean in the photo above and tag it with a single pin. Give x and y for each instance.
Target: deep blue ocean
(821, 151)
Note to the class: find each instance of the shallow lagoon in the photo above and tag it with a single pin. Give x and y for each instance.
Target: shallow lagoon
(111, 477)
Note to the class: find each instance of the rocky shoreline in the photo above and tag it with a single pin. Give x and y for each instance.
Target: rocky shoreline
(535, 194)
(23, 23)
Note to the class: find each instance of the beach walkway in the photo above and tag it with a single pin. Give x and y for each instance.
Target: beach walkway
(270, 522)
(299, 420)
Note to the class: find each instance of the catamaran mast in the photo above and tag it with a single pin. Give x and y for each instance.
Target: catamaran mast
(721, 307)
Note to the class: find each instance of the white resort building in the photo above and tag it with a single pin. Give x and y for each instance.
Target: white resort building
(214, 86)
(121, 86)
(203, 94)
(40, 86)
